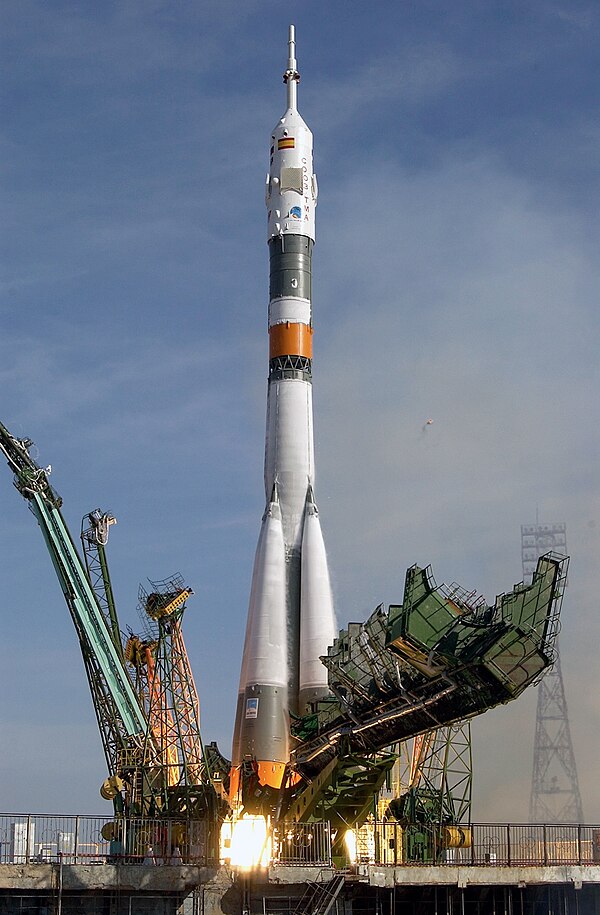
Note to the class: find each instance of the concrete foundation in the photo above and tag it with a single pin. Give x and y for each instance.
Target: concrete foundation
(107, 889)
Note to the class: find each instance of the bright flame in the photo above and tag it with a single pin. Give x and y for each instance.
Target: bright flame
(249, 842)
(225, 842)
(350, 842)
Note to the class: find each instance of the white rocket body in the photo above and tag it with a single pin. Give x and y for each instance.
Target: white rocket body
(291, 620)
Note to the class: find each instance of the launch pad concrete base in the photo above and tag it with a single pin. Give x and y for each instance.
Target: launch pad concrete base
(191, 890)
(494, 875)
(136, 878)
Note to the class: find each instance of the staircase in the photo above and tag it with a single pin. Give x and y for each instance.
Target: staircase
(319, 898)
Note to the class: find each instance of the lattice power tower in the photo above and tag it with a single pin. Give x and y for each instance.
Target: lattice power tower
(555, 796)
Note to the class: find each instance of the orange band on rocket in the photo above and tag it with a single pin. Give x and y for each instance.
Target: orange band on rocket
(290, 340)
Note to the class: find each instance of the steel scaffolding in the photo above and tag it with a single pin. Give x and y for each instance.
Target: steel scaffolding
(555, 796)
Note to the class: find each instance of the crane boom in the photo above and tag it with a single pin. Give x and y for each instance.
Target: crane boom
(94, 537)
(100, 654)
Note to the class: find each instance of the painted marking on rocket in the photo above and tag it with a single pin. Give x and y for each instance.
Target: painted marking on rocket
(290, 339)
(252, 708)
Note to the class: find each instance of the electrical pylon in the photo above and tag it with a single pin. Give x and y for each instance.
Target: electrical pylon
(555, 796)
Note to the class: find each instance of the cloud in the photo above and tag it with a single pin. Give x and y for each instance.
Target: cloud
(423, 73)
(129, 42)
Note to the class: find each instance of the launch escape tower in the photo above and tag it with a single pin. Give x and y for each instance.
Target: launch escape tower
(555, 796)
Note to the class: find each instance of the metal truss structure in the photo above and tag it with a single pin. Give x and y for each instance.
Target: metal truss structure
(555, 796)
(171, 698)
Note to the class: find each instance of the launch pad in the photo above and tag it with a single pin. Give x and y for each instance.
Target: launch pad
(509, 869)
(436, 659)
(319, 715)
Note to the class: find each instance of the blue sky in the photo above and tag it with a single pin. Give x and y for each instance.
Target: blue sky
(456, 278)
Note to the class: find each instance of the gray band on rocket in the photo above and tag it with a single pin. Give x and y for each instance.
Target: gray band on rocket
(290, 266)
(265, 724)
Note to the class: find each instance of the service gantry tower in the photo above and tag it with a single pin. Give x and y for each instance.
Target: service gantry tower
(555, 796)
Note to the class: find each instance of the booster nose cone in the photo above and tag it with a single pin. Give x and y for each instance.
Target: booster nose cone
(317, 617)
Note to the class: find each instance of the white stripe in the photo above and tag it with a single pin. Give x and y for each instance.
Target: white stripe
(296, 311)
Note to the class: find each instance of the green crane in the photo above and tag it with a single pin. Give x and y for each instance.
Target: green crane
(133, 738)
(125, 719)
(94, 537)
(121, 719)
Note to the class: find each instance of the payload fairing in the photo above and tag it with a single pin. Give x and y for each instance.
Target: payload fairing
(291, 620)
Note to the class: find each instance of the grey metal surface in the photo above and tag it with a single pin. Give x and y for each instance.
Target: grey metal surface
(290, 266)
(265, 735)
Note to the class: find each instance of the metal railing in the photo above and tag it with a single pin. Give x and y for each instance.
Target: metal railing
(302, 844)
(478, 844)
(41, 838)
(30, 839)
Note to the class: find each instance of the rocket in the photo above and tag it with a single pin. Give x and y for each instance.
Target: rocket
(291, 619)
